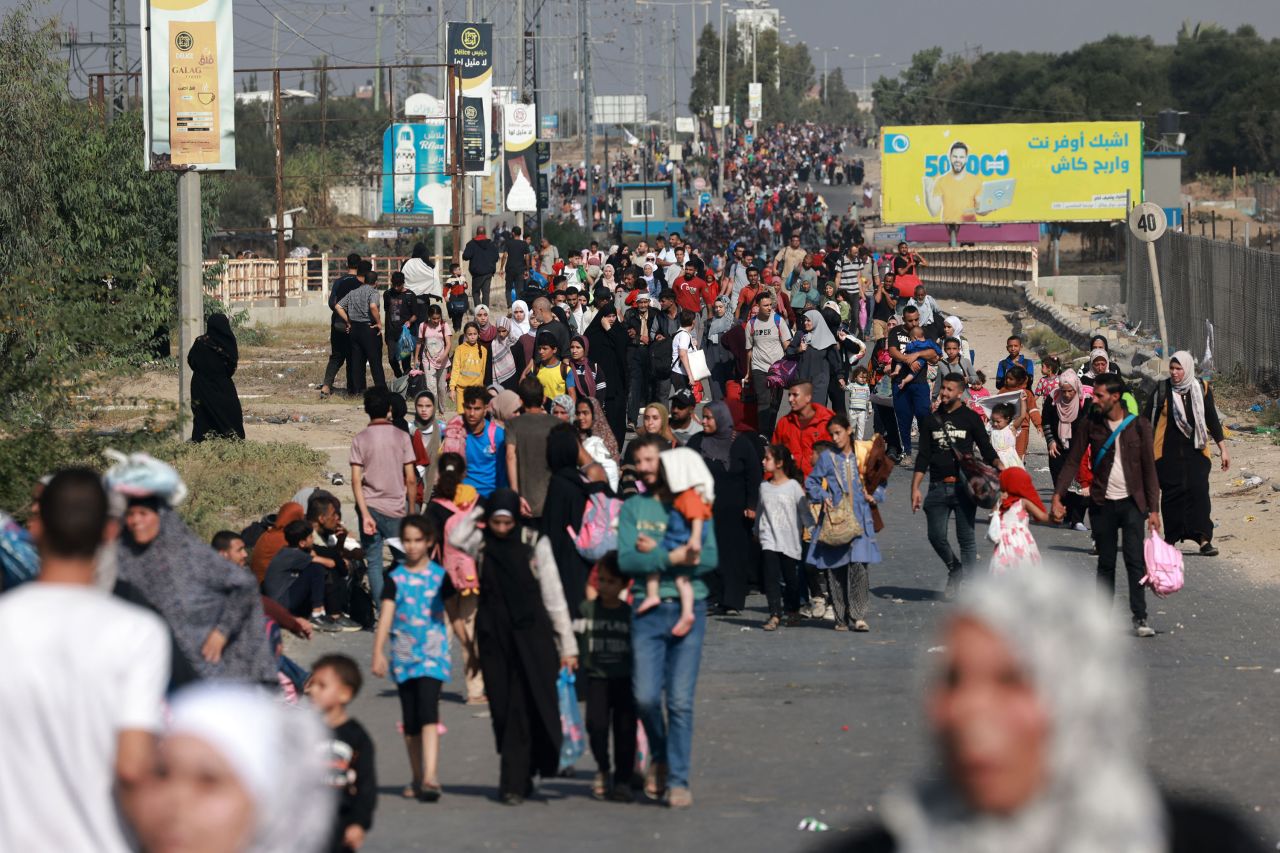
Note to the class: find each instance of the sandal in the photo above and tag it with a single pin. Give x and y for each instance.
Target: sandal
(861, 626)
(600, 787)
(840, 626)
(772, 624)
(655, 781)
(411, 791)
(429, 793)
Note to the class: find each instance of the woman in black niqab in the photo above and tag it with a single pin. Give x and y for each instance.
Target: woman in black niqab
(215, 404)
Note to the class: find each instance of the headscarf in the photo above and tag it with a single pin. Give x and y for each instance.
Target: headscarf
(600, 427)
(608, 273)
(518, 329)
(505, 406)
(276, 751)
(683, 469)
(957, 327)
(1015, 484)
(219, 336)
(508, 562)
(488, 331)
(1068, 411)
(665, 417)
(1094, 356)
(564, 401)
(1195, 392)
(587, 386)
(1098, 795)
(272, 541)
(715, 445)
(820, 338)
(717, 326)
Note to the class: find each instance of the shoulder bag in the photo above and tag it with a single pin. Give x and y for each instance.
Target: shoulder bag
(840, 525)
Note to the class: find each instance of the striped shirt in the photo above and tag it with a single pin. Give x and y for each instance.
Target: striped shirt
(357, 303)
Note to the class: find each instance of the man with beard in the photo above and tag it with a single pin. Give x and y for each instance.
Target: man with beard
(958, 190)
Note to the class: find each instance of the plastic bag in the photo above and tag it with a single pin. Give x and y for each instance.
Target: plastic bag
(1164, 566)
(993, 527)
(573, 741)
(407, 342)
(643, 753)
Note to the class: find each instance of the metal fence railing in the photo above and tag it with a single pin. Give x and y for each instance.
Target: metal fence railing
(1211, 286)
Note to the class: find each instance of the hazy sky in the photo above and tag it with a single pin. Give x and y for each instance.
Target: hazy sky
(897, 28)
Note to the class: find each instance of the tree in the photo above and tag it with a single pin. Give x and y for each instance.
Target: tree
(89, 257)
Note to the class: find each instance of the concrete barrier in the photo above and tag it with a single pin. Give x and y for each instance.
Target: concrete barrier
(1081, 289)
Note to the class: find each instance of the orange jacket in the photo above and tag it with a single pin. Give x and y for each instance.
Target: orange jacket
(800, 438)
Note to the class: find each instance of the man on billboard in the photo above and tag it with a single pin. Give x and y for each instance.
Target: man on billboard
(957, 191)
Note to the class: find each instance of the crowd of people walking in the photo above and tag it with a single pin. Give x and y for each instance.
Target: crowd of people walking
(570, 487)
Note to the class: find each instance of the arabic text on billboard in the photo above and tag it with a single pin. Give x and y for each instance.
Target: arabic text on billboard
(413, 171)
(1061, 172)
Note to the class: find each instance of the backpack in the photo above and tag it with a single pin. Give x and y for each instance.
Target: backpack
(460, 566)
(598, 534)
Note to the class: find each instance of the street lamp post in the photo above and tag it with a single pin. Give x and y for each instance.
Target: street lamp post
(864, 59)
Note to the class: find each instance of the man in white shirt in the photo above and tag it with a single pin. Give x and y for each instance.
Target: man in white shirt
(84, 677)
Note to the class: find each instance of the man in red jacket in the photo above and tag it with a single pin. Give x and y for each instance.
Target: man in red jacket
(804, 426)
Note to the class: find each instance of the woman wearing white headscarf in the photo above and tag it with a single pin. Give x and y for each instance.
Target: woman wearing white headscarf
(1036, 716)
(818, 355)
(1183, 420)
(240, 772)
(953, 327)
(519, 319)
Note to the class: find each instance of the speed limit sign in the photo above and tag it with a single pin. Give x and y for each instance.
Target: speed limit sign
(1148, 222)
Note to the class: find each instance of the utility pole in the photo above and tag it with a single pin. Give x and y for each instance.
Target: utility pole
(118, 57)
(402, 49)
(674, 47)
(442, 87)
(587, 108)
(724, 128)
(190, 289)
(377, 53)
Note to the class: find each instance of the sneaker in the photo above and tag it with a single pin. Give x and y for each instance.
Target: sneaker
(953, 587)
(324, 624)
(346, 623)
(829, 612)
(679, 798)
(1142, 629)
(1208, 550)
(806, 610)
(1079, 525)
(622, 793)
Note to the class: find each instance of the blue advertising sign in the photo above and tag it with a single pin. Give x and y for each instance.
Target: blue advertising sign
(749, 138)
(549, 126)
(704, 199)
(414, 179)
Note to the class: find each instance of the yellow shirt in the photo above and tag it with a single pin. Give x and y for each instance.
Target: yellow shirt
(552, 379)
(959, 196)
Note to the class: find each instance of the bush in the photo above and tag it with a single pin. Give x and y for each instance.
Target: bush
(229, 483)
(566, 236)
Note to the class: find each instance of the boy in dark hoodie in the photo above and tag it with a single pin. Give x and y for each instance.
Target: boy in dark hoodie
(295, 580)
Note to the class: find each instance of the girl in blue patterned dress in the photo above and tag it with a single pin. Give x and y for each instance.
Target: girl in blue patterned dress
(413, 618)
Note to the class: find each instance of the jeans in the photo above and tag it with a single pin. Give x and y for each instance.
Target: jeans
(1111, 520)
(781, 582)
(766, 402)
(306, 594)
(666, 664)
(388, 527)
(942, 500)
(480, 289)
(910, 402)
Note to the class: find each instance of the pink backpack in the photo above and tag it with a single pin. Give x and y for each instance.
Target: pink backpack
(460, 565)
(1164, 566)
(455, 436)
(598, 534)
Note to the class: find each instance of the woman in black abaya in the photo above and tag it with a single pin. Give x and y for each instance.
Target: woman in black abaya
(523, 635)
(567, 494)
(731, 458)
(215, 405)
(608, 345)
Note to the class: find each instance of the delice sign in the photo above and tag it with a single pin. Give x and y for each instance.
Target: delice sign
(189, 102)
(471, 50)
(984, 173)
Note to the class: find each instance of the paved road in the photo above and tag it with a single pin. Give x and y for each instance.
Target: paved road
(770, 748)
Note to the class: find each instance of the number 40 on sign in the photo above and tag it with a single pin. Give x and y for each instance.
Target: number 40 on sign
(1148, 222)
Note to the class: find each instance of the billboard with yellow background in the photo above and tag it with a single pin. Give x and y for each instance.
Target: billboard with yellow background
(1058, 172)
